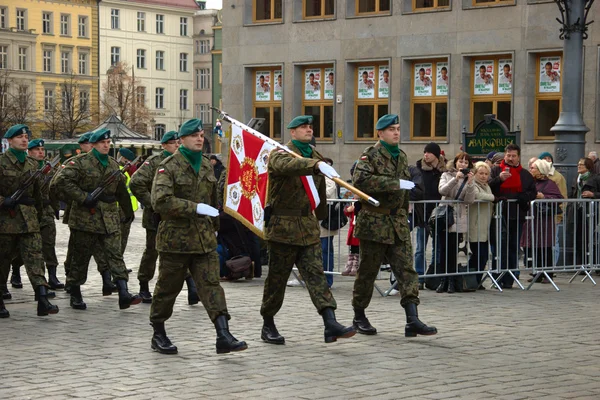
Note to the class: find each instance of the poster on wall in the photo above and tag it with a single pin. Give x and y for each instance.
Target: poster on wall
(366, 86)
(549, 75)
(312, 84)
(505, 76)
(278, 89)
(423, 79)
(329, 83)
(442, 79)
(263, 86)
(384, 82)
(484, 77)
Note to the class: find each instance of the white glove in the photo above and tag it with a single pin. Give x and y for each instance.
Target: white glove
(205, 209)
(408, 185)
(327, 170)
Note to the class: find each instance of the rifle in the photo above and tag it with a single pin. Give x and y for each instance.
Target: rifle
(108, 181)
(31, 179)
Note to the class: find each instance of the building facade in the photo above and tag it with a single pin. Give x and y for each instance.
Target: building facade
(45, 45)
(440, 64)
(154, 37)
(203, 68)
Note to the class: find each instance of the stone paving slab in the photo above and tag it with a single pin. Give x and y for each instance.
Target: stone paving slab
(512, 345)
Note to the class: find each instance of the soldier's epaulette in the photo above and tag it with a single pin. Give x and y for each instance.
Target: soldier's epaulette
(368, 153)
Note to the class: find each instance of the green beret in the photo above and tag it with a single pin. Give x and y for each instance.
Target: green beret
(386, 120)
(190, 126)
(171, 135)
(100, 134)
(85, 138)
(16, 130)
(300, 120)
(128, 154)
(35, 143)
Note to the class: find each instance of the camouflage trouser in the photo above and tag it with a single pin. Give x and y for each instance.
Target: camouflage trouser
(308, 259)
(29, 247)
(172, 270)
(125, 229)
(399, 255)
(85, 244)
(48, 233)
(99, 257)
(148, 262)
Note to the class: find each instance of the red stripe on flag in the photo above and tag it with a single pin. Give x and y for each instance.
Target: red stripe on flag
(311, 191)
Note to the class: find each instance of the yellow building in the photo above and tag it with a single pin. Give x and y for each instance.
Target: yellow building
(49, 51)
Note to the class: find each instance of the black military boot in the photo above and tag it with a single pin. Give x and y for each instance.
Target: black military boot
(44, 307)
(443, 286)
(193, 297)
(160, 342)
(77, 302)
(333, 329)
(126, 299)
(53, 281)
(3, 311)
(225, 341)
(5, 293)
(451, 284)
(362, 324)
(269, 332)
(49, 294)
(414, 326)
(145, 292)
(107, 286)
(15, 278)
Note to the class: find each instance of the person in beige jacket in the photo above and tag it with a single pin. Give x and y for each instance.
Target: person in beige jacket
(480, 218)
(457, 183)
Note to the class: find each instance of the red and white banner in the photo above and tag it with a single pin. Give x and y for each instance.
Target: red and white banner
(246, 191)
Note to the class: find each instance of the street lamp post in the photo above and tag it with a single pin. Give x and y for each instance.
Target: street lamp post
(570, 129)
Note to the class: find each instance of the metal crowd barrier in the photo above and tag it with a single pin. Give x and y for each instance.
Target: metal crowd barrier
(553, 236)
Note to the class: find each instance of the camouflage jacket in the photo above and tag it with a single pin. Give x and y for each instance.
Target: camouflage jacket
(141, 186)
(81, 176)
(55, 193)
(51, 203)
(176, 191)
(378, 175)
(287, 196)
(12, 174)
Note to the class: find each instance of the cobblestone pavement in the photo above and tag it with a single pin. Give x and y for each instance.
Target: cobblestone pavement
(511, 345)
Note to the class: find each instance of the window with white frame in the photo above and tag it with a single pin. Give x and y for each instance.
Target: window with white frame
(48, 99)
(115, 55)
(47, 60)
(183, 25)
(3, 57)
(141, 59)
(140, 95)
(204, 46)
(183, 99)
(183, 62)
(3, 17)
(204, 79)
(47, 23)
(83, 64)
(82, 23)
(160, 23)
(23, 58)
(160, 98)
(65, 62)
(204, 113)
(159, 131)
(160, 60)
(65, 25)
(141, 21)
(84, 101)
(21, 19)
(114, 19)
(66, 100)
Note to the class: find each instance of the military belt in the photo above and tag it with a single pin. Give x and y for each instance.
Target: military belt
(380, 210)
(290, 212)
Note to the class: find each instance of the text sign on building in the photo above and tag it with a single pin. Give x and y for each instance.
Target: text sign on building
(489, 135)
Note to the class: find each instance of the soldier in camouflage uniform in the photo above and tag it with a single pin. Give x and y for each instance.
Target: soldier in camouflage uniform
(94, 222)
(292, 231)
(36, 150)
(184, 193)
(19, 222)
(126, 155)
(383, 231)
(107, 286)
(141, 186)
